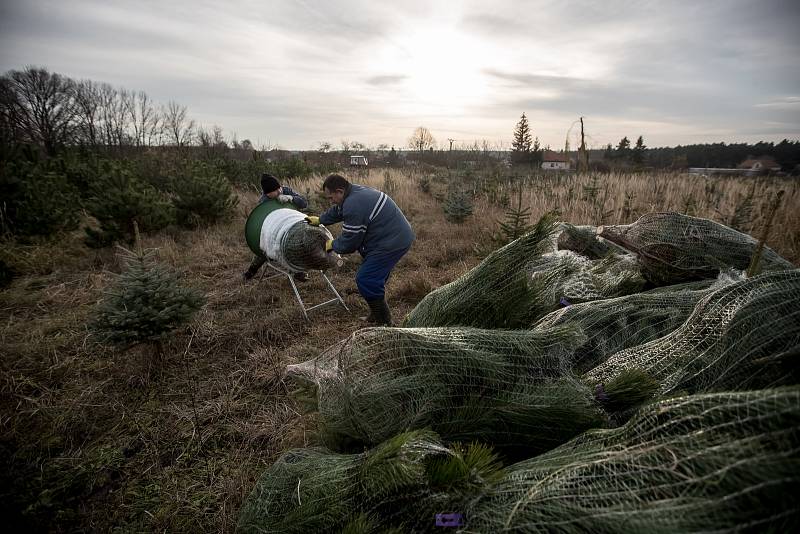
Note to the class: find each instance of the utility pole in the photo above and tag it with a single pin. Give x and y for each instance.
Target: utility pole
(450, 153)
(583, 160)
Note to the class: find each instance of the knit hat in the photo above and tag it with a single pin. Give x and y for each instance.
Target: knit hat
(269, 183)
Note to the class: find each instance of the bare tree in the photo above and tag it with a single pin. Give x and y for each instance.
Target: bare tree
(421, 139)
(141, 112)
(217, 137)
(114, 115)
(203, 137)
(87, 100)
(324, 146)
(178, 126)
(40, 107)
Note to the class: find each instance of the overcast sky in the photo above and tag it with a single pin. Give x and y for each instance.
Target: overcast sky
(294, 73)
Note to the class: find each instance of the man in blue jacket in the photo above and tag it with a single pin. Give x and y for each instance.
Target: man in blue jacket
(271, 189)
(373, 225)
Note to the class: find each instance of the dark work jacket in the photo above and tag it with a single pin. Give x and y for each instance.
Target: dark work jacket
(371, 222)
(297, 199)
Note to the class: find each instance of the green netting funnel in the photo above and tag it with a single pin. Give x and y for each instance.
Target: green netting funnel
(252, 228)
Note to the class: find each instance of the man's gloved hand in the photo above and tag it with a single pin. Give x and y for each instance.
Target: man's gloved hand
(284, 198)
(312, 220)
(328, 245)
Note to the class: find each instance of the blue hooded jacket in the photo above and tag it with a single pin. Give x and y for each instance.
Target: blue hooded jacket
(371, 222)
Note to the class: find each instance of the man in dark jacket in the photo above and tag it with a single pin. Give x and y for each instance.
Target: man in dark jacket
(373, 225)
(271, 189)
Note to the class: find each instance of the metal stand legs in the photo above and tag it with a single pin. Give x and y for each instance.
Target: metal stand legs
(281, 272)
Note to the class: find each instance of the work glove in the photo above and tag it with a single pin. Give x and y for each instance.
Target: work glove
(284, 198)
(312, 220)
(328, 245)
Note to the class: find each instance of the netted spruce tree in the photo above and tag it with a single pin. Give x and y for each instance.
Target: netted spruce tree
(723, 462)
(495, 293)
(144, 305)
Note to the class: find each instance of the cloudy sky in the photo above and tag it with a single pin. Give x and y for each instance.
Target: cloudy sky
(293, 73)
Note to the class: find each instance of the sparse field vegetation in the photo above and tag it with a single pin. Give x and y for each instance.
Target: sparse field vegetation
(100, 439)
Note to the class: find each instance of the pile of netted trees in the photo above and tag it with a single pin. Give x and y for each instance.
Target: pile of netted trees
(625, 378)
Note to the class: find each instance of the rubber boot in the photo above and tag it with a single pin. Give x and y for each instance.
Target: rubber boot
(386, 314)
(372, 306)
(379, 313)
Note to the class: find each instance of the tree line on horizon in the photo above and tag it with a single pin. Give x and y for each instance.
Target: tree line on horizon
(53, 111)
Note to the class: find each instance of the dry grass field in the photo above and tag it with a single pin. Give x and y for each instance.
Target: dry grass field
(98, 439)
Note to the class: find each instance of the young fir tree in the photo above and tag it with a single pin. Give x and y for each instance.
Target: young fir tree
(201, 194)
(117, 198)
(521, 146)
(145, 304)
(517, 221)
(457, 206)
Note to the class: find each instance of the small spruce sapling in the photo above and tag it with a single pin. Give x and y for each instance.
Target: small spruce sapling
(144, 305)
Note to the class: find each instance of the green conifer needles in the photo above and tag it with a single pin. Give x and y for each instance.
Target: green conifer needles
(145, 303)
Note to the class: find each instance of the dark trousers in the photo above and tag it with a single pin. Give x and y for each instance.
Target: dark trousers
(256, 264)
(374, 272)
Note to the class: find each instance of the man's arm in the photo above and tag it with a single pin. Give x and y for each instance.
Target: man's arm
(297, 199)
(354, 228)
(332, 216)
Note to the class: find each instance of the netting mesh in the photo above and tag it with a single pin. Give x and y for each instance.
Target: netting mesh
(303, 247)
(585, 241)
(673, 247)
(615, 324)
(744, 335)
(523, 281)
(494, 294)
(513, 389)
(316, 490)
(569, 276)
(712, 463)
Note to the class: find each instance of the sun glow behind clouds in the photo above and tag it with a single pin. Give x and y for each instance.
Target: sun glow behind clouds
(441, 69)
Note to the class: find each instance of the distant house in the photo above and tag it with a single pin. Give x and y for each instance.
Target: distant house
(759, 165)
(554, 161)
